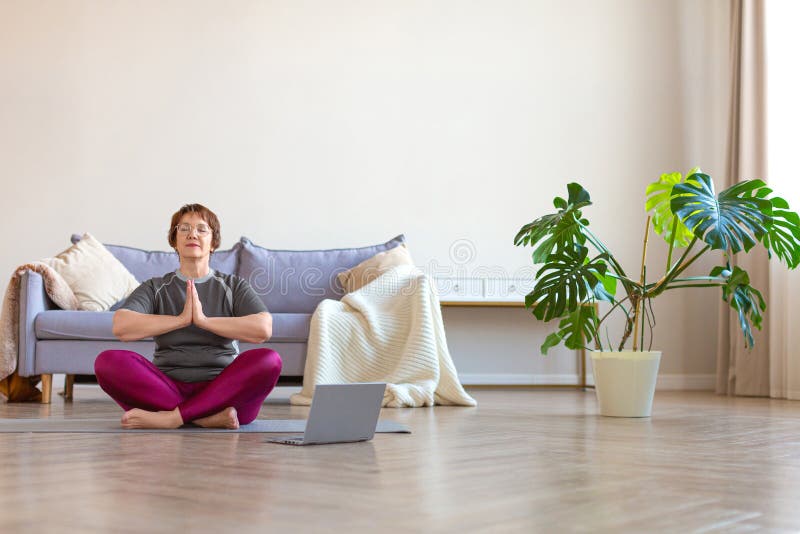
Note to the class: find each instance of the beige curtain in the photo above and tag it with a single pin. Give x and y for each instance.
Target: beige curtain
(772, 368)
(741, 371)
(783, 116)
(784, 333)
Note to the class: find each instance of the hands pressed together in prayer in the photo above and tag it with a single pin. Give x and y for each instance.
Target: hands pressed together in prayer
(255, 328)
(193, 309)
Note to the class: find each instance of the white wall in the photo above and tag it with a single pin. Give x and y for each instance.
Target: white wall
(343, 123)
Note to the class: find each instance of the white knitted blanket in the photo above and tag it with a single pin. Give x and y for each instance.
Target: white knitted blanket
(389, 331)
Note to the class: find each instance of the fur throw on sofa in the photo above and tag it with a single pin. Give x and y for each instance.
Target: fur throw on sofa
(12, 386)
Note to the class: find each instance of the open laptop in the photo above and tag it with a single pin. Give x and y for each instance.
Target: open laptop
(341, 413)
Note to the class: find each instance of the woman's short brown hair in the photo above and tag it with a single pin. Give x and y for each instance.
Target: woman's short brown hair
(208, 216)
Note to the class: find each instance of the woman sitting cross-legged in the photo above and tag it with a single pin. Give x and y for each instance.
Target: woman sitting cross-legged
(195, 315)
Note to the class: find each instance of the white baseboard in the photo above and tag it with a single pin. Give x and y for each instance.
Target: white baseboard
(780, 393)
(516, 379)
(666, 382)
(686, 382)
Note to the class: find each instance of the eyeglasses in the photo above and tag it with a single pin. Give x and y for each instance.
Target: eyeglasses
(186, 228)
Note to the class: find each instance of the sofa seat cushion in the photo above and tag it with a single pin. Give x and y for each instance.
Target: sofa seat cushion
(290, 328)
(77, 357)
(84, 325)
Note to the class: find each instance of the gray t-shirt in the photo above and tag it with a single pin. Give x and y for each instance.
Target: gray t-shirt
(191, 354)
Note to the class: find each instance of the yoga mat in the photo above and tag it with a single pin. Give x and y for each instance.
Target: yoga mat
(111, 426)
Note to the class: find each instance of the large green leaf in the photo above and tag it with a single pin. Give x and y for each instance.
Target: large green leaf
(566, 280)
(658, 200)
(783, 234)
(732, 221)
(575, 330)
(557, 231)
(607, 288)
(744, 298)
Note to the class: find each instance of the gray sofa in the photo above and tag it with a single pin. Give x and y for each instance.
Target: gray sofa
(291, 283)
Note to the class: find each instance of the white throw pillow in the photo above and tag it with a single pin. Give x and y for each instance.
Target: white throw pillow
(96, 277)
(371, 268)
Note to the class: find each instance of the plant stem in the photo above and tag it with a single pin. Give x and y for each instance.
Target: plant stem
(641, 284)
(593, 238)
(672, 241)
(644, 312)
(625, 334)
(677, 269)
(685, 265)
(650, 323)
(614, 307)
(676, 286)
(683, 257)
(700, 279)
(692, 260)
(601, 247)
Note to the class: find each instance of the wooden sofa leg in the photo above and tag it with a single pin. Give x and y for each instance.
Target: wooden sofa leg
(69, 381)
(47, 387)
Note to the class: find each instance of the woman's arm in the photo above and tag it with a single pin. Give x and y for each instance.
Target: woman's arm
(255, 328)
(132, 326)
(129, 325)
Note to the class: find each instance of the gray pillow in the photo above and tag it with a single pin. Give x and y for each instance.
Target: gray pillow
(146, 264)
(295, 281)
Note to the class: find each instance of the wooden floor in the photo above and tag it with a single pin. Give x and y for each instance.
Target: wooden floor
(522, 461)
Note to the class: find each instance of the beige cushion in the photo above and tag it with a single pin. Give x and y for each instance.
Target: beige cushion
(370, 269)
(96, 277)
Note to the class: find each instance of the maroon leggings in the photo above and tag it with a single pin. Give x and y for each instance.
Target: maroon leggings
(135, 382)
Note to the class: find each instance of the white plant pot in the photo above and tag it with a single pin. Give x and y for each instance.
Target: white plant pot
(625, 382)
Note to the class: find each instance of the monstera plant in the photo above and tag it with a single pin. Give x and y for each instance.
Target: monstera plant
(692, 219)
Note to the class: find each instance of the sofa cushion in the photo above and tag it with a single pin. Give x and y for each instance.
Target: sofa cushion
(62, 324)
(290, 327)
(97, 278)
(372, 268)
(145, 264)
(293, 355)
(295, 281)
(77, 357)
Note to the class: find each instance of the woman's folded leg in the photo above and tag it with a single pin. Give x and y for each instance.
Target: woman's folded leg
(134, 382)
(243, 385)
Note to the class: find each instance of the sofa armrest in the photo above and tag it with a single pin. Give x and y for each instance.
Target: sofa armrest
(32, 301)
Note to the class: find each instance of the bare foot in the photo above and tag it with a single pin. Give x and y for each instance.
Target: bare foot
(227, 418)
(138, 418)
